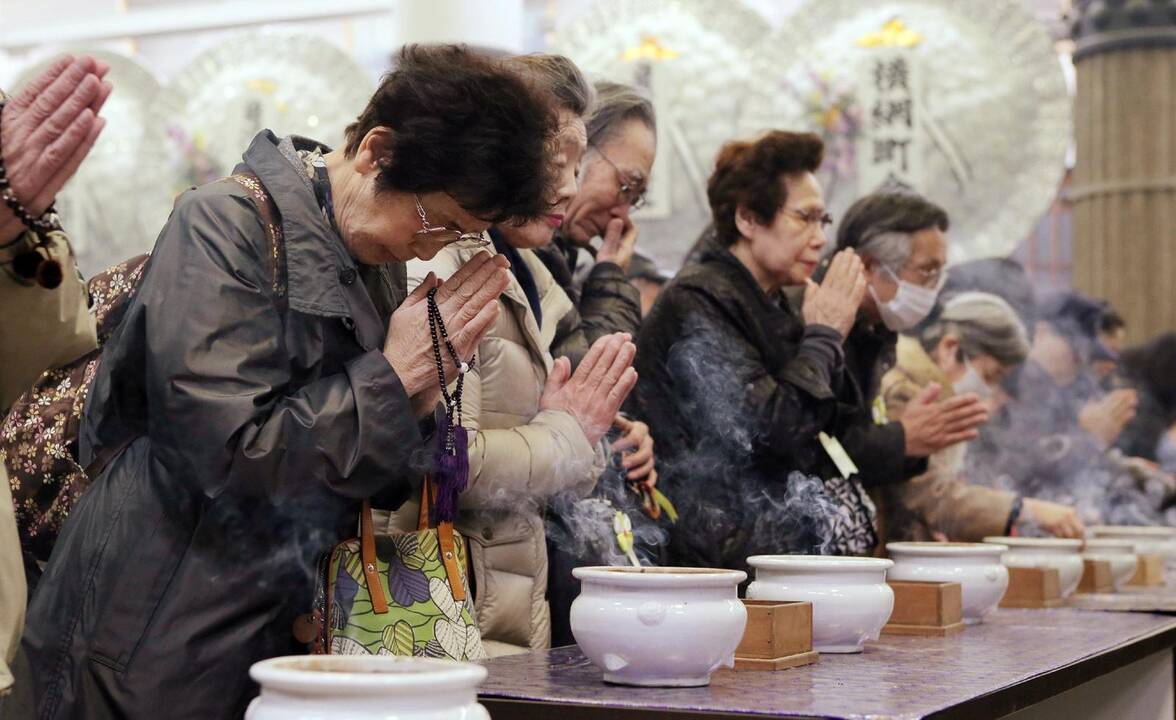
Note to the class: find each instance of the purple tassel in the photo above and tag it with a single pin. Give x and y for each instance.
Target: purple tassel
(453, 472)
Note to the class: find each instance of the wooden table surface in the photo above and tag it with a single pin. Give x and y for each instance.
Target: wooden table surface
(1013, 660)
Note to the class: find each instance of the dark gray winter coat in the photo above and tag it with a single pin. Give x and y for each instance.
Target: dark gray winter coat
(735, 389)
(604, 303)
(258, 428)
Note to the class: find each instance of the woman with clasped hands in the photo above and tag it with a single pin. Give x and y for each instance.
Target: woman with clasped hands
(737, 383)
(45, 133)
(263, 389)
(535, 422)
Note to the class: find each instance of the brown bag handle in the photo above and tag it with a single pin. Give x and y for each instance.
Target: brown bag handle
(446, 541)
(367, 554)
(426, 502)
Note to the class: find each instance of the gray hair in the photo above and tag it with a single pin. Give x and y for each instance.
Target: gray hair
(984, 323)
(559, 76)
(617, 103)
(871, 224)
(891, 249)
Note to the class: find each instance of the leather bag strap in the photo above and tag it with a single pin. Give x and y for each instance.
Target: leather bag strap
(448, 547)
(426, 502)
(367, 553)
(446, 540)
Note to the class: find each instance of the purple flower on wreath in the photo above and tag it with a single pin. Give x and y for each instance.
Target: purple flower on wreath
(832, 109)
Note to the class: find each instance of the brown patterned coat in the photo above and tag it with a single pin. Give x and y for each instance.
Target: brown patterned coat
(39, 328)
(938, 502)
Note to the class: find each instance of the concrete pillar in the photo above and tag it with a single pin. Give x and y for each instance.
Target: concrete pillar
(1124, 191)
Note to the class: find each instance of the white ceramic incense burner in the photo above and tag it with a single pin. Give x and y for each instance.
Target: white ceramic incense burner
(658, 626)
(1148, 539)
(976, 567)
(366, 687)
(850, 597)
(1031, 552)
(1119, 553)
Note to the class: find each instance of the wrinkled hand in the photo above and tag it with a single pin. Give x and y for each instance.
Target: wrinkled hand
(637, 444)
(835, 301)
(1106, 417)
(931, 425)
(47, 130)
(1057, 520)
(600, 384)
(620, 241)
(469, 305)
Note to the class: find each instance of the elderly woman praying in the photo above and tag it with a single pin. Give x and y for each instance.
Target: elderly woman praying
(744, 387)
(969, 347)
(537, 425)
(269, 375)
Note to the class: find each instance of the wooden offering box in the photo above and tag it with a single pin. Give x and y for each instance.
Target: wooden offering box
(1033, 588)
(925, 608)
(779, 636)
(1149, 572)
(1096, 577)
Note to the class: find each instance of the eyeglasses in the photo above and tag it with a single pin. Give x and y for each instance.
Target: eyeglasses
(935, 277)
(930, 278)
(445, 235)
(809, 218)
(632, 188)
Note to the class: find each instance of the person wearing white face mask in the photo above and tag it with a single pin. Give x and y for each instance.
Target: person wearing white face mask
(911, 301)
(969, 347)
(900, 239)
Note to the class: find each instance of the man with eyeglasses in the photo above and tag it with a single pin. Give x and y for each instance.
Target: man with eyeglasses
(901, 239)
(613, 177)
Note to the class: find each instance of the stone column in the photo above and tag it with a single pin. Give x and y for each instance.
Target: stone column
(1124, 192)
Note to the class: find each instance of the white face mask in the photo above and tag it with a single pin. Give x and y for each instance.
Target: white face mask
(972, 382)
(909, 305)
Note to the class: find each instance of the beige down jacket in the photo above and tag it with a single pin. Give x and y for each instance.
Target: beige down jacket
(519, 457)
(939, 501)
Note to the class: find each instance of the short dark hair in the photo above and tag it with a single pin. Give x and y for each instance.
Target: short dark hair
(561, 77)
(1075, 317)
(888, 212)
(467, 125)
(750, 173)
(1111, 321)
(1151, 365)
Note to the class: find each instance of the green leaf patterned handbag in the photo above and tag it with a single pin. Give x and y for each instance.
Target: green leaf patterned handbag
(404, 594)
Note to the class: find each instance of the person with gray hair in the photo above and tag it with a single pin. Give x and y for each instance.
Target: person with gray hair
(983, 328)
(900, 237)
(969, 347)
(614, 174)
